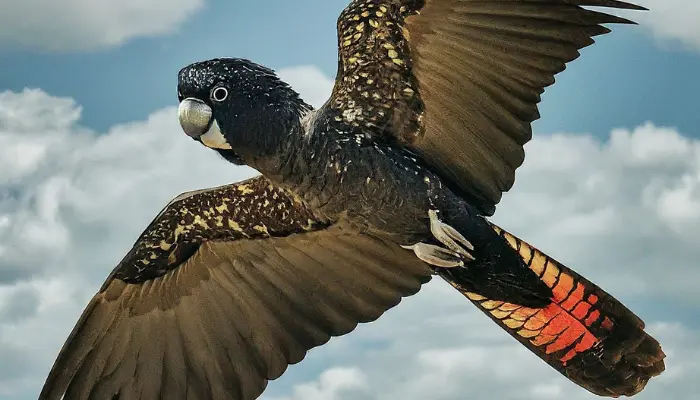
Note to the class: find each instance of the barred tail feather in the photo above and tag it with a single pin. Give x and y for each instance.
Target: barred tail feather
(584, 333)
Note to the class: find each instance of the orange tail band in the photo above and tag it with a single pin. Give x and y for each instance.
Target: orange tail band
(584, 333)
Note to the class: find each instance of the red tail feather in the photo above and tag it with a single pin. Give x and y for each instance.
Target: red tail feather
(585, 333)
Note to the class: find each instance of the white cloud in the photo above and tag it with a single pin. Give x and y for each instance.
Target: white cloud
(671, 19)
(621, 211)
(308, 80)
(333, 384)
(69, 25)
(64, 185)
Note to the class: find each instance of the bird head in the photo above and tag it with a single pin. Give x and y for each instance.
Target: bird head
(236, 107)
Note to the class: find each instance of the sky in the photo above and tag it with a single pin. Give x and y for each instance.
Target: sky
(90, 151)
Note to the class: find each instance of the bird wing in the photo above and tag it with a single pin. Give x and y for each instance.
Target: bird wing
(458, 81)
(222, 291)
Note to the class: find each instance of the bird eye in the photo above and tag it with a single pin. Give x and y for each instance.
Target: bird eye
(219, 94)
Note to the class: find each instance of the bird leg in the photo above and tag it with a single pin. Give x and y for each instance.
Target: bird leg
(457, 246)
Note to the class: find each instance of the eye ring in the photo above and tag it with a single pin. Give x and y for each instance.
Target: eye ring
(219, 94)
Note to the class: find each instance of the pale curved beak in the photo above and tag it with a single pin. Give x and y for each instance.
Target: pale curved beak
(197, 121)
(195, 117)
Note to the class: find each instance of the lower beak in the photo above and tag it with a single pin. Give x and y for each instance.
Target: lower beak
(195, 117)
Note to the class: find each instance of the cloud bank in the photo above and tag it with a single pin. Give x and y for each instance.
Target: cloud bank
(675, 20)
(63, 25)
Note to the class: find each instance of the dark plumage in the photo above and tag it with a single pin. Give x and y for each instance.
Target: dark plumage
(423, 132)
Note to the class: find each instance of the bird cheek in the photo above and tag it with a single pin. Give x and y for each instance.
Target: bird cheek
(214, 139)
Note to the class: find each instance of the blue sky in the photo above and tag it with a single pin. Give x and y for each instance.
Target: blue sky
(610, 187)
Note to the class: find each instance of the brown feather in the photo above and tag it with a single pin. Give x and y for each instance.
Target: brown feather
(232, 316)
(462, 78)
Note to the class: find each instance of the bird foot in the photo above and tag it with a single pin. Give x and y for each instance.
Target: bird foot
(456, 248)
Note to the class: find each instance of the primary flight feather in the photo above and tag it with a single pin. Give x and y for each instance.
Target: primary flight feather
(359, 203)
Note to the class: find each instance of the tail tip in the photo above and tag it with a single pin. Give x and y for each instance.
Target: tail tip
(626, 370)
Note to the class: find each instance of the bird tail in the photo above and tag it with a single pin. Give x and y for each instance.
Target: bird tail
(584, 333)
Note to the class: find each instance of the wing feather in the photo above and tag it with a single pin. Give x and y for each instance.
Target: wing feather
(458, 81)
(224, 321)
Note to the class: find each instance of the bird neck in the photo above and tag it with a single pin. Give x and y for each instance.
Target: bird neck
(280, 140)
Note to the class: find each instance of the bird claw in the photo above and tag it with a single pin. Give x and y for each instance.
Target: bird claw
(436, 256)
(457, 246)
(449, 236)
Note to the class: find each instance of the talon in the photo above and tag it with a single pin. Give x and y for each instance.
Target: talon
(450, 257)
(436, 255)
(449, 236)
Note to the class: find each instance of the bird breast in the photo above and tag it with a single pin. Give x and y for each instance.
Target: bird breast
(375, 187)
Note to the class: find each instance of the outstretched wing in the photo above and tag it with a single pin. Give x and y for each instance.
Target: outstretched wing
(222, 291)
(458, 81)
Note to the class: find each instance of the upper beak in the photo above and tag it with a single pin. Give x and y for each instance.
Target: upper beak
(195, 117)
